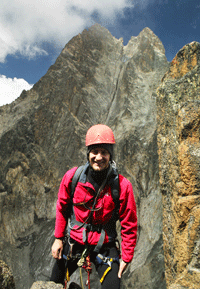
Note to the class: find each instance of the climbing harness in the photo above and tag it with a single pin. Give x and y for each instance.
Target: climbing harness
(84, 262)
(112, 179)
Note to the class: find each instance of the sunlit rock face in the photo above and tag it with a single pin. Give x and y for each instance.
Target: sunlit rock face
(96, 79)
(46, 285)
(178, 107)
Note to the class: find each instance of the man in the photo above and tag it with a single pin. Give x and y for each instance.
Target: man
(95, 210)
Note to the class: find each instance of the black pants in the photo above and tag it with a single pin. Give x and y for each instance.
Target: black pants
(111, 280)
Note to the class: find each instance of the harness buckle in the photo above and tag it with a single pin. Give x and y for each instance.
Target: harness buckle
(94, 228)
(88, 227)
(107, 260)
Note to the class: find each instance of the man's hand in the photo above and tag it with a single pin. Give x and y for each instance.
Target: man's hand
(122, 267)
(57, 249)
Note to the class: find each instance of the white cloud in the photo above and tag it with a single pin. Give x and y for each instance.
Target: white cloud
(26, 24)
(11, 89)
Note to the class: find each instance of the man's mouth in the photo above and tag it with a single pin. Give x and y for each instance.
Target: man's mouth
(99, 163)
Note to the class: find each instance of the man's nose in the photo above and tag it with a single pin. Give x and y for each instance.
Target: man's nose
(99, 156)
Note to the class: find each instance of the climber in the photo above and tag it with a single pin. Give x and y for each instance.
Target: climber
(100, 197)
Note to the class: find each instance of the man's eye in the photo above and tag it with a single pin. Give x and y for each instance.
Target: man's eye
(102, 152)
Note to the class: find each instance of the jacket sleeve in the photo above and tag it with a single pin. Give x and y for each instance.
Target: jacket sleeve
(62, 205)
(128, 219)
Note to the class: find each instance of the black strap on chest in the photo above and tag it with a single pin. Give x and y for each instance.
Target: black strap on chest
(113, 181)
(75, 179)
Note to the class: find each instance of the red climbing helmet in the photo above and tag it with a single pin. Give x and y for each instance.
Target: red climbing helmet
(99, 134)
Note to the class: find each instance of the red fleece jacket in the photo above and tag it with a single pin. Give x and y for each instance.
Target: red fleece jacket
(105, 205)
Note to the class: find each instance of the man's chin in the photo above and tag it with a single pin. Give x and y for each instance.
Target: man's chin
(98, 168)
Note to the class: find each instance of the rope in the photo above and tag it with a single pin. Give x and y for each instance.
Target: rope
(88, 268)
(81, 278)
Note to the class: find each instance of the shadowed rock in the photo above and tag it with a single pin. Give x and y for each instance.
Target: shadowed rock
(6, 277)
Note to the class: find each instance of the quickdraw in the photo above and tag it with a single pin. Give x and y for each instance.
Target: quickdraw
(85, 263)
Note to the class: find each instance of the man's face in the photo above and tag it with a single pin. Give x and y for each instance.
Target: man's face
(99, 159)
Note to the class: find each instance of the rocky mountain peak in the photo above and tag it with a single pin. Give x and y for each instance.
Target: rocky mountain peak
(148, 48)
(94, 80)
(184, 61)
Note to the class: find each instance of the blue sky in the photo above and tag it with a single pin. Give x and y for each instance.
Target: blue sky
(33, 32)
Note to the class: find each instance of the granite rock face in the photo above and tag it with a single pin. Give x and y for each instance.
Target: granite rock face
(94, 80)
(178, 105)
